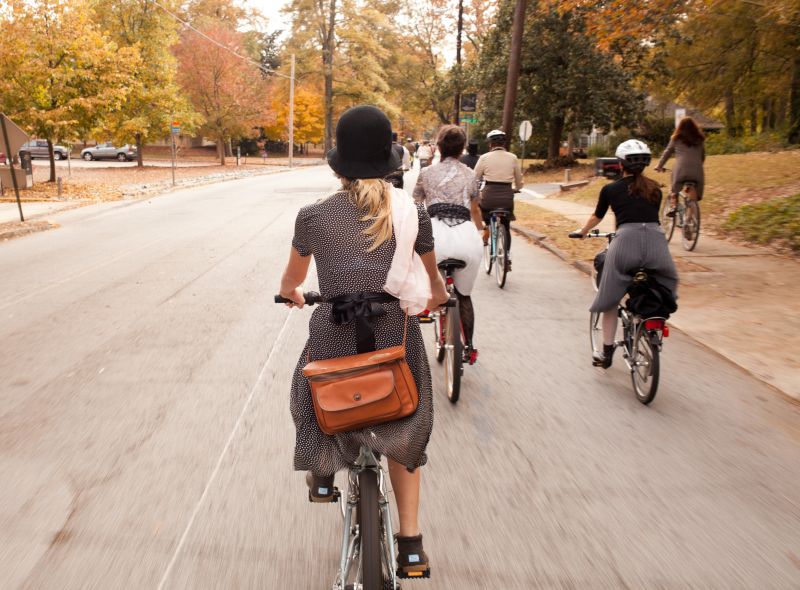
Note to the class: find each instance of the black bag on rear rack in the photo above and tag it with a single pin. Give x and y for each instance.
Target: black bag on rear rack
(649, 298)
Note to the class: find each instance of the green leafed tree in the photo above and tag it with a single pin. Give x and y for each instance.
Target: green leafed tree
(154, 99)
(59, 74)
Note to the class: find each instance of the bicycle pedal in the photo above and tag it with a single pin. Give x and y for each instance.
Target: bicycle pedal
(472, 357)
(332, 499)
(414, 575)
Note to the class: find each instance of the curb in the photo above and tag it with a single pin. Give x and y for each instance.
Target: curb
(25, 229)
(542, 240)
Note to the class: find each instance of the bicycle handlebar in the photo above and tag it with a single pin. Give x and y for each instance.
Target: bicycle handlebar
(595, 233)
(311, 297)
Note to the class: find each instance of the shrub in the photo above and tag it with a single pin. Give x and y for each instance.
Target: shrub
(721, 143)
(777, 220)
(599, 150)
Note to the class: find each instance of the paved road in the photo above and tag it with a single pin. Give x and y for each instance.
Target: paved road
(146, 442)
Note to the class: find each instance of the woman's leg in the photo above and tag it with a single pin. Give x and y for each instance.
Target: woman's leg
(467, 316)
(610, 318)
(406, 492)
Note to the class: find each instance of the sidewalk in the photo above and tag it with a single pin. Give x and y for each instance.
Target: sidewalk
(739, 301)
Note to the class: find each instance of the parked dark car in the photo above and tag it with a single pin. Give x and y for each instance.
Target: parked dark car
(37, 148)
(608, 167)
(107, 151)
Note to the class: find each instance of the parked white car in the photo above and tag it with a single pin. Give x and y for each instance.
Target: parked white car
(107, 151)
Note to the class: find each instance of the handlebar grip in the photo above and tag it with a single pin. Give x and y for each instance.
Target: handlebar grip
(576, 235)
(311, 297)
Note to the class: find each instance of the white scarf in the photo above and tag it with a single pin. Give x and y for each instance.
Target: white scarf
(407, 279)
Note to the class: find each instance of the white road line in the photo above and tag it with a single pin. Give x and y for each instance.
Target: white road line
(222, 455)
(16, 300)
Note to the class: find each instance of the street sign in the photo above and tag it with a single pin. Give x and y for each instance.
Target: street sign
(469, 102)
(525, 130)
(16, 137)
(175, 127)
(471, 119)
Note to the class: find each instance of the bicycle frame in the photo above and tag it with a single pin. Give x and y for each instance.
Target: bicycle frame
(350, 551)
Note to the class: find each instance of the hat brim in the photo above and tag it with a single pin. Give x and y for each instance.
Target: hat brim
(356, 169)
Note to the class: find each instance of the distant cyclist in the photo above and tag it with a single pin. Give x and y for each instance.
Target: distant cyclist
(425, 154)
(640, 241)
(687, 144)
(502, 175)
(471, 157)
(450, 193)
(396, 177)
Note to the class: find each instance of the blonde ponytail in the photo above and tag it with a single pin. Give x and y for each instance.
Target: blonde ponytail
(373, 196)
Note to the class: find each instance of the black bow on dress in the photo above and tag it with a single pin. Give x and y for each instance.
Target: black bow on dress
(361, 307)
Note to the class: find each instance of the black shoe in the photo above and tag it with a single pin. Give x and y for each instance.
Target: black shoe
(321, 489)
(411, 559)
(604, 360)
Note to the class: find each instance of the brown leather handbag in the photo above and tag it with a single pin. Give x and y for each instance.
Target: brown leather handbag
(353, 392)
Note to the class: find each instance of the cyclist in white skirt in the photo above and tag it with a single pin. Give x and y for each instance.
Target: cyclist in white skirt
(450, 192)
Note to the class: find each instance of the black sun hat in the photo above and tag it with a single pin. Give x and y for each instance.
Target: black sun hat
(363, 144)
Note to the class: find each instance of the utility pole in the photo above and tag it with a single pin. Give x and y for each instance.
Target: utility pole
(291, 113)
(457, 110)
(512, 79)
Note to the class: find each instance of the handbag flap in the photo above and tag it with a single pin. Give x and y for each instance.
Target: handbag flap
(356, 391)
(357, 361)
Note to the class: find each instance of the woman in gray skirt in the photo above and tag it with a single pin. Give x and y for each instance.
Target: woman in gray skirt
(690, 154)
(640, 242)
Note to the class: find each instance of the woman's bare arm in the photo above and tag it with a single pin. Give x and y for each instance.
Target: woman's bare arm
(293, 277)
(477, 215)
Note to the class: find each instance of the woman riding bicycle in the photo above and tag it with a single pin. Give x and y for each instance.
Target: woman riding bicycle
(690, 154)
(639, 243)
(355, 238)
(450, 192)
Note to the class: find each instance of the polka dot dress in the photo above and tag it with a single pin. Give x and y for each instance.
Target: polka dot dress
(332, 231)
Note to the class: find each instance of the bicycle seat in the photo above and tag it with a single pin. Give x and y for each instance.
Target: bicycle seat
(451, 264)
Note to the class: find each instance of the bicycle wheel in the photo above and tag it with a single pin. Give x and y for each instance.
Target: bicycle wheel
(370, 531)
(668, 223)
(454, 355)
(645, 363)
(488, 259)
(440, 334)
(691, 225)
(595, 333)
(501, 264)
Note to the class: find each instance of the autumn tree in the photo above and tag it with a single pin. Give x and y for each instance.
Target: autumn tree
(309, 119)
(58, 73)
(228, 91)
(154, 99)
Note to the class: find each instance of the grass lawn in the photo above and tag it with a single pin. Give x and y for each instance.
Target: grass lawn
(582, 170)
(732, 182)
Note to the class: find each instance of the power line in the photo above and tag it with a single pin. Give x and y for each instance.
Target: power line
(260, 66)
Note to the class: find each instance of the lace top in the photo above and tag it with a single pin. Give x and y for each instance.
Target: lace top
(449, 182)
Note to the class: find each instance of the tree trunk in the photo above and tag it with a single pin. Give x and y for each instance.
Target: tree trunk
(139, 148)
(754, 120)
(794, 101)
(457, 105)
(730, 114)
(512, 76)
(51, 155)
(221, 149)
(555, 130)
(327, 71)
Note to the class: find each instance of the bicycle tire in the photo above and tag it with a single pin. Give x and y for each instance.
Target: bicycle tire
(691, 230)
(439, 336)
(645, 356)
(488, 259)
(668, 223)
(595, 333)
(369, 531)
(454, 353)
(501, 262)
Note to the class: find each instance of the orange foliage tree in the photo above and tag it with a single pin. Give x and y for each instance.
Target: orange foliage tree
(228, 91)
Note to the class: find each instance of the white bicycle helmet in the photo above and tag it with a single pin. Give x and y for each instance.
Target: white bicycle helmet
(634, 155)
(496, 135)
